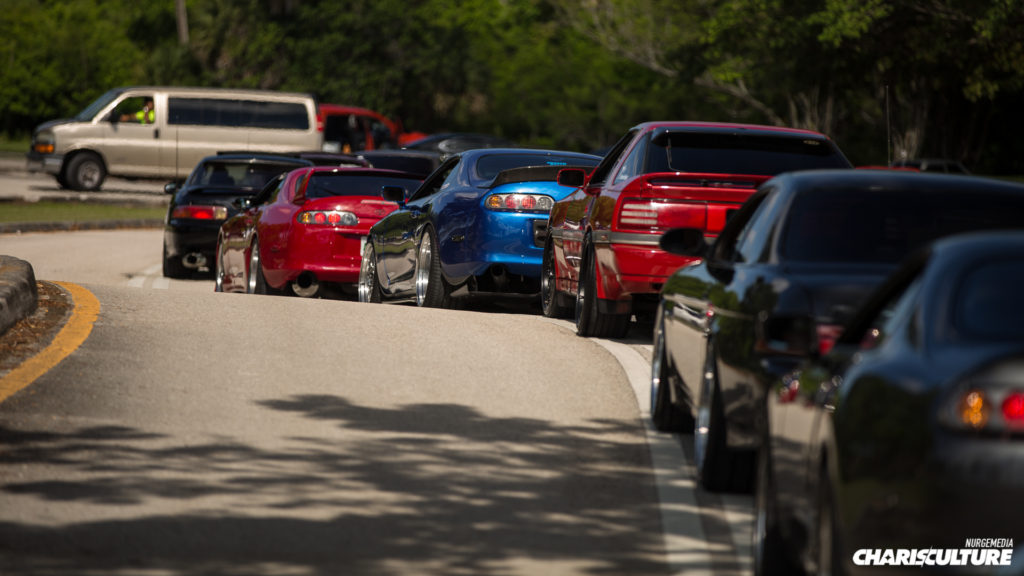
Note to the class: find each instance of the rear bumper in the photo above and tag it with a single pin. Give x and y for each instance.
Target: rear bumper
(331, 255)
(182, 238)
(633, 263)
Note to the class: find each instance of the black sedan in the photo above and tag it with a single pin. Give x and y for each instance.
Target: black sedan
(909, 434)
(206, 200)
(778, 283)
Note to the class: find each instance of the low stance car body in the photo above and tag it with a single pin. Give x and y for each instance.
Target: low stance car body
(603, 262)
(909, 433)
(206, 199)
(778, 283)
(303, 233)
(478, 223)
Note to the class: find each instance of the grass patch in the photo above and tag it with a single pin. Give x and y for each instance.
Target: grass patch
(15, 145)
(46, 211)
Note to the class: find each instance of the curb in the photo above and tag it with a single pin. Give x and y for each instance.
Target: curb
(18, 228)
(18, 294)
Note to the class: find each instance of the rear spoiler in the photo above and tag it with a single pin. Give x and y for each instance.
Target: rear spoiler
(531, 174)
(705, 180)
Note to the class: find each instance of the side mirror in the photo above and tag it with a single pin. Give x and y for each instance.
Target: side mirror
(393, 194)
(242, 203)
(572, 177)
(170, 188)
(684, 242)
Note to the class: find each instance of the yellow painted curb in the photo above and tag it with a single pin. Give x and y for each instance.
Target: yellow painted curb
(70, 337)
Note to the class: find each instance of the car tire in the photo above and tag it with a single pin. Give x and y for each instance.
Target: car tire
(85, 172)
(431, 291)
(552, 302)
(369, 284)
(172, 267)
(769, 547)
(666, 416)
(256, 283)
(828, 544)
(218, 269)
(590, 321)
(718, 468)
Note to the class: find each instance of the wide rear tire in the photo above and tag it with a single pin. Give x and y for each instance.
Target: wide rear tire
(552, 302)
(719, 468)
(431, 291)
(666, 416)
(590, 321)
(369, 284)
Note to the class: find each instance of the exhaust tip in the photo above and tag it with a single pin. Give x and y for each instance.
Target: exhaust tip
(306, 285)
(194, 261)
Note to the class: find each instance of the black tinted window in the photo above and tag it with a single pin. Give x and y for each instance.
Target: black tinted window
(237, 113)
(325, 185)
(740, 154)
(988, 302)
(883, 226)
(487, 167)
(241, 177)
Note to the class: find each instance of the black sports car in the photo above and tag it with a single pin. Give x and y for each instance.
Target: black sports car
(206, 199)
(909, 434)
(778, 283)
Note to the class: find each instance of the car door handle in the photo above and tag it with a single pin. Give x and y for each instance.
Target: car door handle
(458, 237)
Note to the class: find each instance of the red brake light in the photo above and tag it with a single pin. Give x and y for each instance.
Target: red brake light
(827, 336)
(1013, 408)
(198, 212)
(662, 214)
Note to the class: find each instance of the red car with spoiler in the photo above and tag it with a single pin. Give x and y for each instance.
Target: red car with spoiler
(602, 261)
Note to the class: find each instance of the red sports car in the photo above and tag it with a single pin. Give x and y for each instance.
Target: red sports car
(602, 252)
(303, 233)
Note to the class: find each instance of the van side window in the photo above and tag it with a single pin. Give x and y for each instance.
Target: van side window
(236, 113)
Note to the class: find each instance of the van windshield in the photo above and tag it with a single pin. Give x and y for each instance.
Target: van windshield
(98, 104)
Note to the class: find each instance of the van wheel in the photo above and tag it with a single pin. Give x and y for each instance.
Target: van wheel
(85, 171)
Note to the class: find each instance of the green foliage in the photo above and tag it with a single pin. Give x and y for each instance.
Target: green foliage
(560, 73)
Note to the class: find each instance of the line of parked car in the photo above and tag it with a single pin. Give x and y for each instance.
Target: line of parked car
(847, 343)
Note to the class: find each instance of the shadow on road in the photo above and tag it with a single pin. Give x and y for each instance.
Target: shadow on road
(425, 488)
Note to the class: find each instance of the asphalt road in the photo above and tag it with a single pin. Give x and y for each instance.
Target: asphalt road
(203, 433)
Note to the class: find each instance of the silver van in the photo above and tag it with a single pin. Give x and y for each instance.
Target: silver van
(163, 132)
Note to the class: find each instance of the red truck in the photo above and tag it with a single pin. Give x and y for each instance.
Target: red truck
(601, 259)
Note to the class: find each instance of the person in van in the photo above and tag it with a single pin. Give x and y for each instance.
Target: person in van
(145, 115)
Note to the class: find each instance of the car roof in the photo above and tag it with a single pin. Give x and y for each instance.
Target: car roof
(257, 157)
(893, 179)
(721, 127)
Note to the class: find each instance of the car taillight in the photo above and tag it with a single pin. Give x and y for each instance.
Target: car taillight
(1013, 409)
(992, 401)
(328, 218)
(200, 212)
(827, 336)
(519, 203)
(662, 214)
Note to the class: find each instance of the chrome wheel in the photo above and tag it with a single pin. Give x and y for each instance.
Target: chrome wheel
(702, 424)
(254, 267)
(424, 258)
(218, 279)
(368, 289)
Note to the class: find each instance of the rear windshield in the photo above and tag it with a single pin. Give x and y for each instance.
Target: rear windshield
(487, 167)
(328, 184)
(988, 302)
(243, 178)
(883, 226)
(742, 154)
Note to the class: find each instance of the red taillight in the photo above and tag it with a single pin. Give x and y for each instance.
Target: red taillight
(197, 212)
(662, 214)
(1013, 408)
(827, 336)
